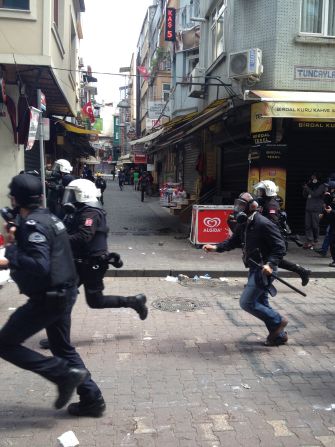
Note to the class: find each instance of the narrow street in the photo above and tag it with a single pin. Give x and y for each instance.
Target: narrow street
(195, 373)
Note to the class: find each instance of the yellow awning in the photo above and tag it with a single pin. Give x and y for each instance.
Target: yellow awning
(76, 129)
(288, 96)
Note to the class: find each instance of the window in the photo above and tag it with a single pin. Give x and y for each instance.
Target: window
(166, 92)
(15, 4)
(56, 12)
(318, 17)
(217, 35)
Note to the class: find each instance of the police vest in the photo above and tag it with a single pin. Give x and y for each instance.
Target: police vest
(98, 244)
(63, 272)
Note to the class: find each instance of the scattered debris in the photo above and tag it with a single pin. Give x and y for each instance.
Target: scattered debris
(223, 279)
(171, 278)
(206, 276)
(68, 439)
(246, 386)
(130, 248)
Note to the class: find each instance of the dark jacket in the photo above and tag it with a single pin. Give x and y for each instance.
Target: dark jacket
(88, 232)
(41, 259)
(260, 240)
(270, 209)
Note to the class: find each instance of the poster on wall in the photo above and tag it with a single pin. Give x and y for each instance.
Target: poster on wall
(268, 162)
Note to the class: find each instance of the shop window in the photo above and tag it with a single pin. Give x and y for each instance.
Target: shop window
(217, 29)
(15, 4)
(318, 17)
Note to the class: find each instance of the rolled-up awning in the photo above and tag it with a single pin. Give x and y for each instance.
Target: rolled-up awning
(147, 138)
(77, 129)
(288, 96)
(90, 161)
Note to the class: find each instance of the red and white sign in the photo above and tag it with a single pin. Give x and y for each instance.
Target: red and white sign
(33, 126)
(209, 224)
(140, 159)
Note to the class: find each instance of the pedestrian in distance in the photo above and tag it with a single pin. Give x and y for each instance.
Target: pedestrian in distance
(100, 183)
(262, 243)
(144, 183)
(38, 255)
(313, 191)
(136, 177)
(122, 179)
(88, 231)
(267, 198)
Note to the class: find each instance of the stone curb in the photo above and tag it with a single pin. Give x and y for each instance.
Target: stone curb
(156, 273)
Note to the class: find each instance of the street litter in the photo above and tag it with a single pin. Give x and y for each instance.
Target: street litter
(182, 277)
(205, 276)
(223, 279)
(171, 278)
(246, 386)
(68, 439)
(11, 308)
(130, 248)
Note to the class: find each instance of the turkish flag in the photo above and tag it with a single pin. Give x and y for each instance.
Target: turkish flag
(143, 72)
(88, 111)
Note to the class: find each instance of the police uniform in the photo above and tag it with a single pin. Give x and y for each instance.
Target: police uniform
(88, 231)
(271, 209)
(41, 264)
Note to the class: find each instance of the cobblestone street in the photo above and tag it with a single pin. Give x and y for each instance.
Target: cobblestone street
(199, 378)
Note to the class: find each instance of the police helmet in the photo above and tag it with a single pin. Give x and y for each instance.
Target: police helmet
(268, 186)
(81, 191)
(62, 165)
(26, 189)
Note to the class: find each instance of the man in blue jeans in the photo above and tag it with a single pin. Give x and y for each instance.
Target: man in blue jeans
(261, 241)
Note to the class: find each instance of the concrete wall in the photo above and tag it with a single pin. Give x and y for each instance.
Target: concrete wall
(273, 26)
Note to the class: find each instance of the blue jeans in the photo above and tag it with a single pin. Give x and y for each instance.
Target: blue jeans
(255, 301)
(326, 241)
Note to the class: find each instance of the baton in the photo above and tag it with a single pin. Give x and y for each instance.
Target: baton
(275, 276)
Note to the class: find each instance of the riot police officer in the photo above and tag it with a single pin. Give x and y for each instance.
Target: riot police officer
(56, 183)
(39, 257)
(266, 196)
(87, 228)
(262, 243)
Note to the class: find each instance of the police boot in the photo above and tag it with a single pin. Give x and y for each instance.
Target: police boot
(93, 408)
(304, 275)
(67, 386)
(137, 303)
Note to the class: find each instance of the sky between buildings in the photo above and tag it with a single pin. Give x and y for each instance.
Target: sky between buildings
(111, 29)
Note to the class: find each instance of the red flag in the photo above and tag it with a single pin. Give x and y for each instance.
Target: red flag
(143, 72)
(88, 111)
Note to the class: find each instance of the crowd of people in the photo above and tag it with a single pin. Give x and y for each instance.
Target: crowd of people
(52, 251)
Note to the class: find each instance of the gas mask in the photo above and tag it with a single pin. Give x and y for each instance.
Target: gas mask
(242, 207)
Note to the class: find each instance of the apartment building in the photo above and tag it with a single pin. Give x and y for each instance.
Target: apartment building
(39, 43)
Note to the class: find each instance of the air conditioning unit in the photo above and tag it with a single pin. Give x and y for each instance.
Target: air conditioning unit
(197, 76)
(80, 62)
(246, 64)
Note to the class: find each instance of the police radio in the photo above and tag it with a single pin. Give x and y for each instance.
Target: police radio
(9, 215)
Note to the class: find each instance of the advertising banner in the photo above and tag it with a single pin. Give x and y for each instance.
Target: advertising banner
(33, 126)
(268, 162)
(261, 128)
(209, 224)
(323, 110)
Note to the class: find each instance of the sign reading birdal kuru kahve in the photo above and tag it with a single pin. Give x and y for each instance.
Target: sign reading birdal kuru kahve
(170, 25)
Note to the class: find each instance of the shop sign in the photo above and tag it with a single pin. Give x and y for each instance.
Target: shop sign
(33, 126)
(209, 224)
(150, 123)
(43, 105)
(313, 124)
(314, 73)
(140, 158)
(155, 109)
(261, 128)
(268, 162)
(170, 24)
(299, 110)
